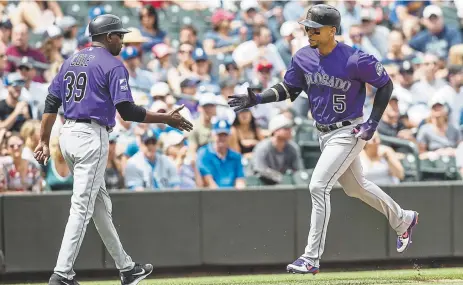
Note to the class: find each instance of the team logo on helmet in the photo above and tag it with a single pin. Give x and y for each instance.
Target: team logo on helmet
(379, 68)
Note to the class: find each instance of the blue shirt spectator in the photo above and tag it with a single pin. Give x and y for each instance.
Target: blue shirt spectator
(412, 8)
(218, 165)
(148, 169)
(437, 38)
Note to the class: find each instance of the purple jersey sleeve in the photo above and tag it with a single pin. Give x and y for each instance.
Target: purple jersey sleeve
(119, 85)
(55, 86)
(371, 71)
(294, 76)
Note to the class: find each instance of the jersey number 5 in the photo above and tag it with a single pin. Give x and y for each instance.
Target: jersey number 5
(339, 103)
(75, 85)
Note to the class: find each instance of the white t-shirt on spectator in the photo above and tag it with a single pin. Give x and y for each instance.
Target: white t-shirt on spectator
(423, 90)
(378, 171)
(454, 100)
(35, 96)
(405, 98)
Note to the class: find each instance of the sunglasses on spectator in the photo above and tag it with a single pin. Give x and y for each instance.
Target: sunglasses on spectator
(356, 35)
(15, 145)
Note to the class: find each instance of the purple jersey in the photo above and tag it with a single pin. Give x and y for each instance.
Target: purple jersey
(90, 84)
(335, 84)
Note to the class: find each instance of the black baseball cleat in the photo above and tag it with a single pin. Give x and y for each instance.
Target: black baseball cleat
(56, 279)
(138, 273)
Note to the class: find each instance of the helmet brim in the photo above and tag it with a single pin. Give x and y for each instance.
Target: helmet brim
(310, 24)
(122, 30)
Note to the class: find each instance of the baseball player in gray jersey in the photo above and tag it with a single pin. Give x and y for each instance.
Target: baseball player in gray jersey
(91, 86)
(334, 77)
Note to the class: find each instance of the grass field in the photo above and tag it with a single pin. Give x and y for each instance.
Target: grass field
(403, 277)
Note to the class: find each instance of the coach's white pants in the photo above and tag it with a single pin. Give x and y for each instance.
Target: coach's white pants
(85, 149)
(339, 161)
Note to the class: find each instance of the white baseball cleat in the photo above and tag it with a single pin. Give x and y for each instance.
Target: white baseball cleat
(404, 240)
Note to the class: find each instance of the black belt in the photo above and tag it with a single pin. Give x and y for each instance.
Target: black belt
(89, 121)
(332, 127)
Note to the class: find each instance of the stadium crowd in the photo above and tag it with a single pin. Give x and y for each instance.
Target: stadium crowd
(198, 53)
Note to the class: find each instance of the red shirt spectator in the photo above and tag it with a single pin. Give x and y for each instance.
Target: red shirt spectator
(20, 47)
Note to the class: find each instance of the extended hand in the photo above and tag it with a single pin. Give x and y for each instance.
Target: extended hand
(366, 130)
(243, 101)
(175, 120)
(42, 153)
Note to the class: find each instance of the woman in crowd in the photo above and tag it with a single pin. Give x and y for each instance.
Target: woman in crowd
(51, 48)
(438, 137)
(184, 68)
(162, 62)
(150, 28)
(36, 14)
(113, 174)
(220, 40)
(245, 134)
(30, 132)
(380, 163)
(57, 174)
(18, 174)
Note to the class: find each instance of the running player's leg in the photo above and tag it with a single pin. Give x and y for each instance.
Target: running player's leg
(355, 185)
(339, 150)
(86, 156)
(102, 216)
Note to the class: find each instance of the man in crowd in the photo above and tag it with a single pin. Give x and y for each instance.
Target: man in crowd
(13, 111)
(201, 134)
(219, 166)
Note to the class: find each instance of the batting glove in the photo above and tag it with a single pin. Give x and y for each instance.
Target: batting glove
(244, 101)
(366, 130)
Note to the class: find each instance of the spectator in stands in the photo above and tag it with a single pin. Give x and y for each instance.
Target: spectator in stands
(183, 69)
(5, 30)
(397, 51)
(452, 94)
(358, 41)
(247, 54)
(459, 158)
(113, 173)
(150, 28)
(30, 133)
(38, 15)
(33, 92)
(19, 174)
(51, 48)
(136, 39)
(284, 44)
(405, 10)
(456, 55)
(294, 10)
(201, 133)
(278, 153)
(264, 74)
(162, 63)
(160, 91)
(220, 166)
(391, 123)
(189, 88)
(438, 137)
(403, 96)
(68, 25)
(174, 146)
(20, 47)
(189, 35)
(428, 85)
(381, 163)
(350, 14)
(57, 174)
(231, 70)
(437, 38)
(376, 34)
(220, 40)
(13, 111)
(149, 169)
(202, 67)
(245, 134)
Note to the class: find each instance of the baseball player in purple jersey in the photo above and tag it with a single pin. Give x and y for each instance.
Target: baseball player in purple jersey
(334, 77)
(91, 86)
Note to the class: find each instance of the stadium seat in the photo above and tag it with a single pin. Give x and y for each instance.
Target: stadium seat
(253, 181)
(304, 130)
(310, 151)
(412, 172)
(302, 177)
(443, 168)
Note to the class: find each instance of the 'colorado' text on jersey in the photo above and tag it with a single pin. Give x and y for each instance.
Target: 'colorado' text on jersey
(335, 84)
(90, 84)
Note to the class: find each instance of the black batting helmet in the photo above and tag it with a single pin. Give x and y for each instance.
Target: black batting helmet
(105, 24)
(322, 15)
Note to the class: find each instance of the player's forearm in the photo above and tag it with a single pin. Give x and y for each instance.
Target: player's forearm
(131, 112)
(9, 121)
(48, 120)
(381, 101)
(276, 93)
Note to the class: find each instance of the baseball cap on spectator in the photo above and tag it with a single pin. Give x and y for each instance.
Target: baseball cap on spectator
(288, 28)
(207, 99)
(221, 126)
(129, 53)
(436, 100)
(221, 15)
(161, 50)
(52, 32)
(432, 10)
(66, 22)
(14, 79)
(264, 65)
(199, 54)
(368, 14)
(6, 23)
(279, 122)
(159, 107)
(96, 11)
(190, 82)
(134, 37)
(248, 5)
(27, 62)
(160, 89)
(149, 135)
(406, 67)
(172, 138)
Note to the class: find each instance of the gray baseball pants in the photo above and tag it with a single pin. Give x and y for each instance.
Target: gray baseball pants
(85, 149)
(339, 161)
